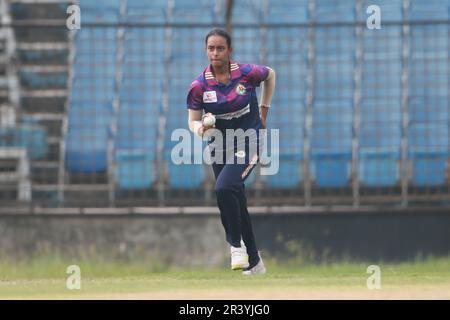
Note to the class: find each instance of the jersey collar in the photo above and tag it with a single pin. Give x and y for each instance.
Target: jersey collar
(209, 77)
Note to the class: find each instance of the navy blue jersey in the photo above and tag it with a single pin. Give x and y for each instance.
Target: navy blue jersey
(235, 104)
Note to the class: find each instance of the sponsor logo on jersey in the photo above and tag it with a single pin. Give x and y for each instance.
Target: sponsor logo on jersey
(240, 154)
(209, 97)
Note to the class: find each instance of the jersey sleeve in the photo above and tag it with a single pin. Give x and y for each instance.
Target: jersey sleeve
(195, 96)
(257, 74)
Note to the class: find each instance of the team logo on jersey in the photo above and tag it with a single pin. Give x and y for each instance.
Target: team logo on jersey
(240, 89)
(209, 96)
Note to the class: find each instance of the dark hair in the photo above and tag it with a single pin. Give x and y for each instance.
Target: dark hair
(219, 32)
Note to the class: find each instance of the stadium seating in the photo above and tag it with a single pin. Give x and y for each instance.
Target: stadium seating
(429, 10)
(135, 146)
(331, 141)
(429, 150)
(289, 173)
(332, 117)
(187, 62)
(189, 176)
(379, 153)
(30, 136)
(87, 138)
(290, 147)
(197, 11)
(331, 151)
(92, 94)
(177, 58)
(428, 87)
(140, 101)
(135, 168)
(428, 110)
(287, 11)
(335, 11)
(99, 11)
(254, 12)
(34, 80)
(381, 91)
(143, 11)
(289, 116)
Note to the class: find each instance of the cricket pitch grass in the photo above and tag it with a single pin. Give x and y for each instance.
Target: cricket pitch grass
(47, 278)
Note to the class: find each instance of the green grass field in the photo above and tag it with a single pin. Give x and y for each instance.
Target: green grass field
(46, 279)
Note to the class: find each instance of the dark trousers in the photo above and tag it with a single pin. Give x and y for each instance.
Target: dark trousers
(232, 202)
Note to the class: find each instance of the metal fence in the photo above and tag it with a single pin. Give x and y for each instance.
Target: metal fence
(363, 114)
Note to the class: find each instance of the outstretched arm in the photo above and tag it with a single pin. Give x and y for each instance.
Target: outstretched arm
(267, 87)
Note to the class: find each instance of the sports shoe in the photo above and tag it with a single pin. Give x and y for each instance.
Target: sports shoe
(239, 257)
(258, 269)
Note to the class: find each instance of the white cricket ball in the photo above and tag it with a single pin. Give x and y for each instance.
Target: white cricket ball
(209, 120)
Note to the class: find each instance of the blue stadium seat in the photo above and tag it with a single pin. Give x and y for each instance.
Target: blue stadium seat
(144, 46)
(337, 112)
(186, 176)
(381, 110)
(136, 138)
(331, 143)
(428, 45)
(87, 138)
(378, 169)
(30, 136)
(379, 151)
(144, 11)
(335, 11)
(289, 120)
(383, 44)
(288, 11)
(331, 170)
(430, 171)
(94, 66)
(383, 84)
(34, 139)
(383, 136)
(35, 80)
(195, 11)
(428, 150)
(135, 168)
(429, 10)
(59, 56)
(253, 12)
(337, 42)
(331, 149)
(428, 138)
(189, 57)
(428, 110)
(137, 127)
(183, 176)
(428, 77)
(281, 42)
(289, 174)
(99, 11)
(334, 80)
(246, 42)
(91, 91)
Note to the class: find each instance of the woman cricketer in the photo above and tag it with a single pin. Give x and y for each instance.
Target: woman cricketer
(226, 89)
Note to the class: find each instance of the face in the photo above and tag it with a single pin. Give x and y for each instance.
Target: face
(218, 51)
